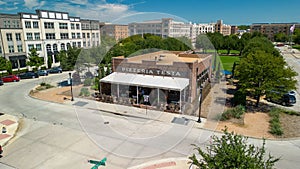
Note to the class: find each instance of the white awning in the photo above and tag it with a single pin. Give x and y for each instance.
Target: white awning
(162, 82)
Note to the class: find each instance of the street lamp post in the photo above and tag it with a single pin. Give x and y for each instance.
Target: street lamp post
(200, 105)
(71, 83)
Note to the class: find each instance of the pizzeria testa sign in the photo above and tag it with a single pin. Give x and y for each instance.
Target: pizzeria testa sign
(157, 72)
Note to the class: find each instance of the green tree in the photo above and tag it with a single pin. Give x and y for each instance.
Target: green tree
(232, 151)
(244, 27)
(49, 61)
(260, 71)
(68, 58)
(9, 67)
(34, 59)
(186, 41)
(296, 36)
(260, 43)
(243, 41)
(281, 37)
(217, 39)
(230, 43)
(204, 43)
(3, 63)
(108, 41)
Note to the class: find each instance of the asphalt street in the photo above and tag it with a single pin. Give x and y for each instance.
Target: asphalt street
(66, 136)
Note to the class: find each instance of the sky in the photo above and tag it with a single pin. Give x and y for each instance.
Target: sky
(233, 12)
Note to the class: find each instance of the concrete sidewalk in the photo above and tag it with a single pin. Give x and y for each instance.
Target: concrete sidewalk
(8, 127)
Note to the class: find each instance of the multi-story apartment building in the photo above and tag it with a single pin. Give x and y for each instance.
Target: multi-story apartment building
(204, 28)
(90, 33)
(270, 29)
(12, 45)
(222, 28)
(47, 31)
(165, 27)
(197, 29)
(115, 30)
(50, 31)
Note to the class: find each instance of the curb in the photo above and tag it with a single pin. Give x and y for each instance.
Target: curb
(12, 128)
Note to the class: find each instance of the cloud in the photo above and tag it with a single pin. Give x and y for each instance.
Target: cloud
(79, 2)
(2, 3)
(30, 4)
(100, 10)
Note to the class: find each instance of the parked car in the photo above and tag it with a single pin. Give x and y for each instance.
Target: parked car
(28, 75)
(292, 93)
(11, 78)
(285, 100)
(42, 72)
(1, 82)
(55, 70)
(89, 75)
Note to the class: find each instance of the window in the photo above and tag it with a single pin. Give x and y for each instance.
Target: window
(68, 45)
(50, 35)
(18, 36)
(79, 44)
(73, 35)
(38, 47)
(37, 36)
(17, 23)
(64, 36)
(97, 35)
(62, 46)
(88, 35)
(35, 24)
(13, 24)
(77, 26)
(84, 44)
(29, 36)
(78, 35)
(48, 47)
(31, 46)
(49, 25)
(20, 48)
(72, 26)
(89, 43)
(27, 24)
(9, 37)
(83, 35)
(11, 48)
(63, 26)
(73, 44)
(7, 24)
(55, 47)
(93, 35)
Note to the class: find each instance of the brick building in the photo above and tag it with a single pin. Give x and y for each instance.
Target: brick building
(163, 80)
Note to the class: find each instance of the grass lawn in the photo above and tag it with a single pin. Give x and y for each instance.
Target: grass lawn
(227, 61)
(231, 52)
(296, 47)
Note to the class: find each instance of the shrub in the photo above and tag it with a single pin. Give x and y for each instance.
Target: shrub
(239, 98)
(233, 151)
(275, 126)
(84, 92)
(87, 82)
(44, 86)
(235, 112)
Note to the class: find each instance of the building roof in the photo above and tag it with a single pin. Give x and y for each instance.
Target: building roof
(165, 57)
(162, 82)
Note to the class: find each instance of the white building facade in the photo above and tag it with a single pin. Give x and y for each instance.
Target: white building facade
(50, 32)
(167, 27)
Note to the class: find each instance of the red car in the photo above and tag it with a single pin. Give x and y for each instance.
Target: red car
(11, 78)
